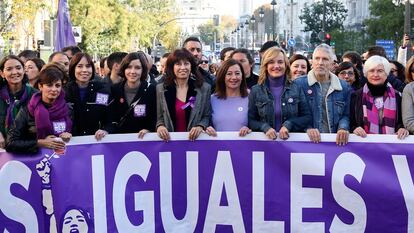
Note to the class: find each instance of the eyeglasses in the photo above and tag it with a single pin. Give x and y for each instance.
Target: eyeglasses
(349, 73)
(204, 62)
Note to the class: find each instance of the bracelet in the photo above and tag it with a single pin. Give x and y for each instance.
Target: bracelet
(46, 186)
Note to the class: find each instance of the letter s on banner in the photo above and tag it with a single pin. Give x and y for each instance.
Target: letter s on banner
(144, 200)
(15, 172)
(348, 164)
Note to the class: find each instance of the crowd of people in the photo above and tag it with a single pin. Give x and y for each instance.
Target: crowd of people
(44, 105)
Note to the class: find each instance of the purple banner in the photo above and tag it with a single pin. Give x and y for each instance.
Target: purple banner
(64, 34)
(222, 184)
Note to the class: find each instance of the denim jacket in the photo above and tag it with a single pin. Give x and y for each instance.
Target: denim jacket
(337, 101)
(296, 115)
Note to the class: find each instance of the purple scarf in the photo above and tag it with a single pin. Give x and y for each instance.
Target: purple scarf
(50, 121)
(371, 112)
(13, 105)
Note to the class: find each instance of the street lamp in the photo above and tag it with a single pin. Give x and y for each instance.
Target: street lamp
(241, 34)
(237, 36)
(261, 15)
(253, 20)
(246, 36)
(273, 3)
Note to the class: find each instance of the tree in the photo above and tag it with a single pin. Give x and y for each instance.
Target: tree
(19, 14)
(386, 22)
(313, 16)
(122, 25)
(207, 32)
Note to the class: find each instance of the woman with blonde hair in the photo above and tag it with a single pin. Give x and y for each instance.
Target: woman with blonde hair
(408, 97)
(276, 103)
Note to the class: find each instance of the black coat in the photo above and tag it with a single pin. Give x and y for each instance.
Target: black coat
(123, 117)
(357, 114)
(22, 137)
(90, 114)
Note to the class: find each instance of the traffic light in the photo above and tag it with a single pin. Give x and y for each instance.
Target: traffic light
(328, 39)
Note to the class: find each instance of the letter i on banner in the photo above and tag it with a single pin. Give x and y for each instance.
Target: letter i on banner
(99, 193)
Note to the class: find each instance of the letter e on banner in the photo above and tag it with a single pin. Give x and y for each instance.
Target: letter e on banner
(305, 164)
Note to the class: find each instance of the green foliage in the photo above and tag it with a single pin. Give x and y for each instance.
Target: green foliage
(347, 40)
(313, 16)
(207, 31)
(387, 20)
(122, 25)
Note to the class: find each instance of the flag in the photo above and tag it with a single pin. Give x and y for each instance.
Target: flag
(64, 35)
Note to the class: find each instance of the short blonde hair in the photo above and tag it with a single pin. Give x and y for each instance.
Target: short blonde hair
(374, 61)
(270, 54)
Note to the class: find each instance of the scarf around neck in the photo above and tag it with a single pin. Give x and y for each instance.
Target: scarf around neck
(53, 120)
(372, 119)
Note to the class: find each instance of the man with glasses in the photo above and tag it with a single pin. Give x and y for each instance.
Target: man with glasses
(193, 45)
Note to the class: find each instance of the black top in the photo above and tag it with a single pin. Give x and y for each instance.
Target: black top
(141, 114)
(91, 113)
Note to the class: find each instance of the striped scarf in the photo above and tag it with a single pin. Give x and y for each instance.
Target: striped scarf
(373, 122)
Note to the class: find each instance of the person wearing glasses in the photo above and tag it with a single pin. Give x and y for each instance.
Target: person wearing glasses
(347, 72)
(204, 63)
(397, 70)
(408, 97)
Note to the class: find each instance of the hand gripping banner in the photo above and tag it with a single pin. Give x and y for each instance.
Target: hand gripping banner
(214, 184)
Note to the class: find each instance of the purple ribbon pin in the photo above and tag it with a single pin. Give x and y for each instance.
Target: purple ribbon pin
(191, 102)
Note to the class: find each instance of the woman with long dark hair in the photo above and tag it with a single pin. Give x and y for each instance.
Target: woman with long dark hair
(15, 93)
(183, 100)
